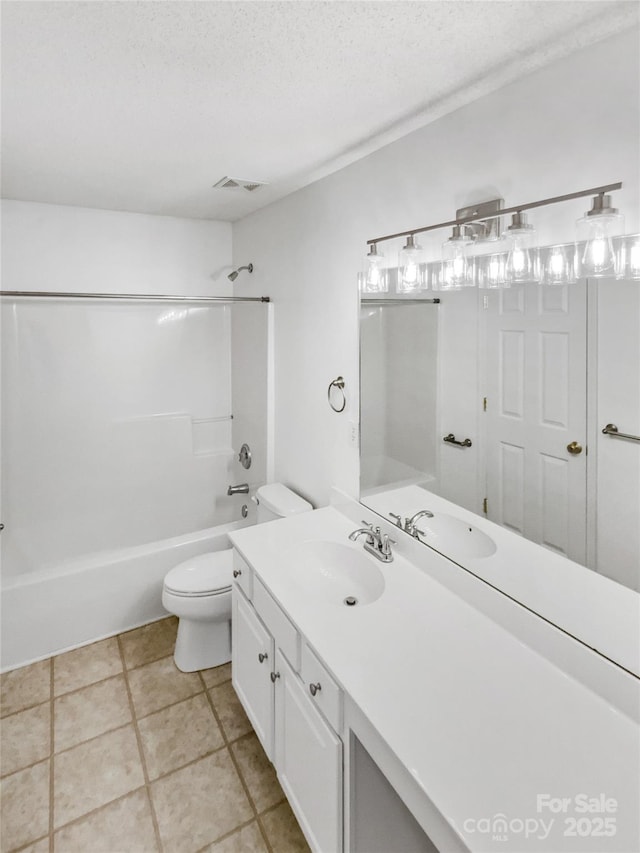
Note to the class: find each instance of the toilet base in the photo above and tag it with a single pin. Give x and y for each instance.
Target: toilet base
(202, 645)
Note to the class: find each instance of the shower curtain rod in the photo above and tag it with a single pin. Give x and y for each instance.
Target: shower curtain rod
(140, 297)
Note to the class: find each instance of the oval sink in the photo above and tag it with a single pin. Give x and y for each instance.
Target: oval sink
(334, 573)
(454, 538)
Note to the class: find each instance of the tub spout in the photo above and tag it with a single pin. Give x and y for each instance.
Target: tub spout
(242, 489)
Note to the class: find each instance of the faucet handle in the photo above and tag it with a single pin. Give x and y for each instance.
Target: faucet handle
(387, 542)
(398, 519)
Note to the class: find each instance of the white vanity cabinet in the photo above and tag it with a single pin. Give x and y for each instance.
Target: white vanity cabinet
(294, 706)
(308, 760)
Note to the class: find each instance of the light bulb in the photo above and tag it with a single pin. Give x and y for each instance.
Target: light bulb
(410, 267)
(374, 277)
(523, 259)
(597, 228)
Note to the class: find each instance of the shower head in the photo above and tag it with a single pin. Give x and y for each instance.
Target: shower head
(234, 275)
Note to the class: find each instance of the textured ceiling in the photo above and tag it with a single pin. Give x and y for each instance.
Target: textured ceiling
(143, 106)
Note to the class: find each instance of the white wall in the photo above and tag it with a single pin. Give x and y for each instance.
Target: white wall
(568, 127)
(53, 247)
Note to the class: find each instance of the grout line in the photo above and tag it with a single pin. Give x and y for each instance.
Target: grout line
(188, 764)
(237, 767)
(87, 686)
(224, 837)
(52, 732)
(154, 818)
(30, 844)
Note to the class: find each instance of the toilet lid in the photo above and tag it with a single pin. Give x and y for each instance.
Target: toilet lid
(207, 574)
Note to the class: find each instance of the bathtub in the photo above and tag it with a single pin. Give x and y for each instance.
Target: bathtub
(55, 610)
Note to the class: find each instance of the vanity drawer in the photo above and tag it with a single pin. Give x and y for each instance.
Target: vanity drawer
(286, 637)
(243, 574)
(321, 687)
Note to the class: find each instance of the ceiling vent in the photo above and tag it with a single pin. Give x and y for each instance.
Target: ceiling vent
(239, 184)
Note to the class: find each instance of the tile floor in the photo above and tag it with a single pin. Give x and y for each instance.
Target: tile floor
(110, 749)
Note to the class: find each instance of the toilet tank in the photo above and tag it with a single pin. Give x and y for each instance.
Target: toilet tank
(277, 501)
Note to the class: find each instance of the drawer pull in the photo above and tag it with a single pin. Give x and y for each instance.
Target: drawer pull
(262, 657)
(314, 688)
(274, 676)
(236, 573)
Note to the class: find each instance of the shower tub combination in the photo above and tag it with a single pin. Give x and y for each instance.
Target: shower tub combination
(117, 452)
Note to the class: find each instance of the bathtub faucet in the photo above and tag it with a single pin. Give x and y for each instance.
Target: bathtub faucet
(242, 489)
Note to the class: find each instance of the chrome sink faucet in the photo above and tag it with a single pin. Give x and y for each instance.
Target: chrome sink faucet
(377, 543)
(410, 523)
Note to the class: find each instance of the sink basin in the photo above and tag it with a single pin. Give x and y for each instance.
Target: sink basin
(454, 537)
(334, 573)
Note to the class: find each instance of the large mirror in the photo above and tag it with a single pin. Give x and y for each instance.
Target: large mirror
(496, 400)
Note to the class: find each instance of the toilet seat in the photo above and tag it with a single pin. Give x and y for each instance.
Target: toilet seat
(207, 575)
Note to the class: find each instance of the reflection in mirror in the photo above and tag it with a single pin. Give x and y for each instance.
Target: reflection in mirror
(496, 400)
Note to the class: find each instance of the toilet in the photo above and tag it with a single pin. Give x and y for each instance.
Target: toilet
(198, 591)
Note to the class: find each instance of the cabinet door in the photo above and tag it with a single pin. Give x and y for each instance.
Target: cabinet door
(309, 762)
(252, 664)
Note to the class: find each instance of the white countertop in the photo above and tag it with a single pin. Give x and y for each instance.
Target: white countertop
(482, 722)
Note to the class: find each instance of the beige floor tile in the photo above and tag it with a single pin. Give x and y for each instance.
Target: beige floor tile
(200, 803)
(246, 840)
(24, 687)
(283, 831)
(179, 734)
(258, 773)
(89, 712)
(217, 675)
(125, 826)
(41, 846)
(149, 643)
(94, 773)
(25, 738)
(25, 807)
(232, 716)
(86, 665)
(158, 684)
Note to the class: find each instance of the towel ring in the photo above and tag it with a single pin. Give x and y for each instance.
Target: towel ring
(339, 384)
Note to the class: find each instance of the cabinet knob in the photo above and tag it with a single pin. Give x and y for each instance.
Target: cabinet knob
(314, 688)
(274, 676)
(262, 657)
(237, 572)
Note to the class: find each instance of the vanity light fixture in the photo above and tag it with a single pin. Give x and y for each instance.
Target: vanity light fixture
(602, 251)
(457, 269)
(411, 273)
(374, 278)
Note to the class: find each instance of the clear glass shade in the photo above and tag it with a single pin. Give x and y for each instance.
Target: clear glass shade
(628, 259)
(559, 265)
(598, 258)
(411, 268)
(373, 278)
(457, 268)
(523, 258)
(491, 272)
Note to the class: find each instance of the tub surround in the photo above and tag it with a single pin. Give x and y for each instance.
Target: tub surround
(469, 704)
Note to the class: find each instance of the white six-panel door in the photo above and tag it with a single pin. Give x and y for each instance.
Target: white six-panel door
(536, 410)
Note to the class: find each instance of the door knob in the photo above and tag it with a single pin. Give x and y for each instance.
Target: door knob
(574, 448)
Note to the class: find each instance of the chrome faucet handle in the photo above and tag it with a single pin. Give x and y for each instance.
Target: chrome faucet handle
(387, 542)
(398, 519)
